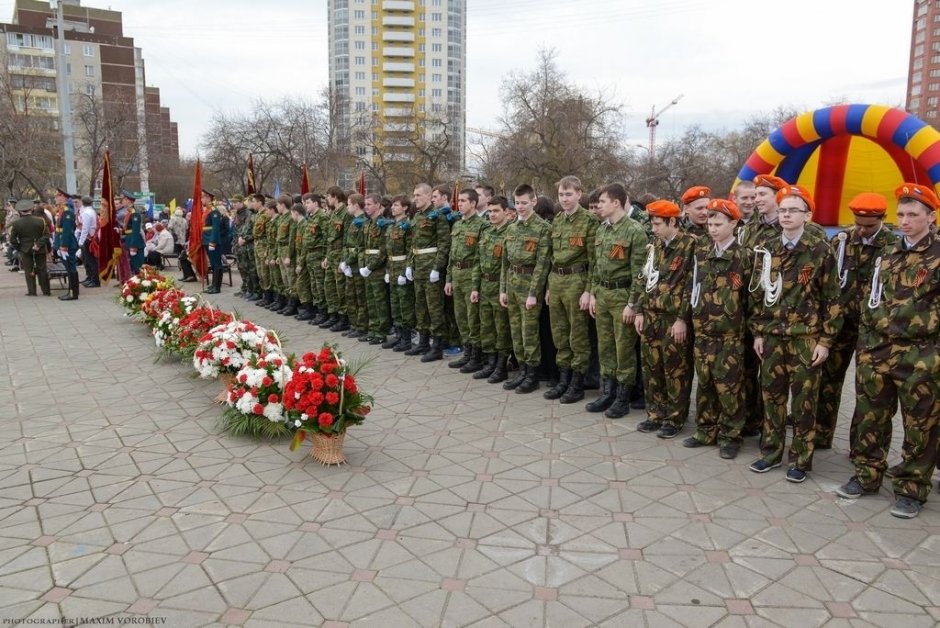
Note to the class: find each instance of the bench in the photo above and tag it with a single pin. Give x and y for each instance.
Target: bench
(56, 270)
(228, 262)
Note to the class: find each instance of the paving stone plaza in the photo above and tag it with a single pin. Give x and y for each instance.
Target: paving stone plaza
(462, 504)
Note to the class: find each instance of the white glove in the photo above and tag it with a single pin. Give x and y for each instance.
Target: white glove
(348, 271)
(402, 280)
(435, 276)
(343, 267)
(387, 278)
(64, 255)
(409, 274)
(78, 254)
(365, 272)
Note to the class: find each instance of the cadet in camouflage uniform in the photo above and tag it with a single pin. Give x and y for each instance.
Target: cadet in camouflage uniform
(259, 229)
(695, 207)
(797, 315)
(372, 269)
(526, 260)
(856, 249)
(766, 225)
(619, 254)
(314, 253)
(718, 290)
(569, 290)
(302, 240)
(745, 197)
(495, 335)
(354, 237)
(427, 263)
(335, 280)
(463, 279)
(277, 279)
(286, 233)
(397, 248)
(897, 359)
(663, 322)
(245, 247)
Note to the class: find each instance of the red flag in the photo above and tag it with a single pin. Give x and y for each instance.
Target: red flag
(197, 255)
(304, 180)
(109, 241)
(361, 188)
(250, 188)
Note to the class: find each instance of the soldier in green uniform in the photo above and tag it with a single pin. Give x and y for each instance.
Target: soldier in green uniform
(133, 233)
(302, 283)
(461, 283)
(29, 235)
(767, 225)
(270, 237)
(695, 211)
(354, 237)
(620, 251)
(245, 247)
(797, 315)
(335, 279)
(897, 360)
(284, 245)
(523, 276)
(718, 293)
(745, 196)
(856, 249)
(430, 247)
(495, 334)
(290, 256)
(663, 321)
(212, 241)
(313, 252)
(65, 244)
(569, 290)
(262, 252)
(397, 249)
(372, 269)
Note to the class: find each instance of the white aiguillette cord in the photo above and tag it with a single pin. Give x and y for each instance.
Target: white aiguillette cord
(650, 272)
(772, 288)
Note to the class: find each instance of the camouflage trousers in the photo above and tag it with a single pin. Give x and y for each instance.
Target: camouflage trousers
(830, 387)
(523, 323)
(334, 283)
(753, 396)
(261, 267)
(495, 332)
(888, 373)
(667, 371)
(616, 341)
(356, 304)
(569, 322)
(302, 283)
(429, 303)
(402, 302)
(466, 314)
(719, 365)
(785, 375)
(316, 273)
(377, 304)
(277, 277)
(288, 274)
(247, 268)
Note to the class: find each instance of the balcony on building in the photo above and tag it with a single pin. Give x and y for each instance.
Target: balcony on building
(397, 51)
(398, 82)
(398, 5)
(398, 67)
(399, 127)
(393, 97)
(398, 36)
(396, 112)
(398, 20)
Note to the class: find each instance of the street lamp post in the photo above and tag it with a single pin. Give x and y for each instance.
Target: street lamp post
(65, 103)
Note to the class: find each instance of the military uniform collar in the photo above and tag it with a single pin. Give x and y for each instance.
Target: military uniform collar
(921, 245)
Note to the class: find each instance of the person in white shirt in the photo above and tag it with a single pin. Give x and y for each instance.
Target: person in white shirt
(87, 221)
(159, 245)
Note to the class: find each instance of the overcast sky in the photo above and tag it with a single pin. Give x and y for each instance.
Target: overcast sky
(730, 59)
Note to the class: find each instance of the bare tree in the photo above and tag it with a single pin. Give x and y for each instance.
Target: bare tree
(100, 126)
(30, 143)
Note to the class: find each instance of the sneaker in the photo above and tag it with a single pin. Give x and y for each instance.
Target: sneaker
(729, 452)
(667, 431)
(906, 508)
(691, 442)
(648, 426)
(796, 475)
(762, 466)
(853, 489)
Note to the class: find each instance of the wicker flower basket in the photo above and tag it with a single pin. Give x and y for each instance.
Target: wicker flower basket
(327, 448)
(226, 379)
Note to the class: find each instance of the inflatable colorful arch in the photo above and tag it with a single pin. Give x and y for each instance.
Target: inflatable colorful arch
(838, 152)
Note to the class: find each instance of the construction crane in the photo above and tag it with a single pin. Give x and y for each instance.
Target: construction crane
(486, 133)
(653, 121)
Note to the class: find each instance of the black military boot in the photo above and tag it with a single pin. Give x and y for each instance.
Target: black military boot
(516, 380)
(217, 280)
(342, 324)
(424, 343)
(321, 317)
(476, 360)
(488, 361)
(556, 391)
(620, 407)
(608, 394)
(391, 342)
(305, 312)
(462, 360)
(499, 370)
(331, 320)
(436, 351)
(72, 294)
(404, 341)
(265, 299)
(531, 381)
(276, 303)
(290, 309)
(575, 390)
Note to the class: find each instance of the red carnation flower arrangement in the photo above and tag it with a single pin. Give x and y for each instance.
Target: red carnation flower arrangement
(193, 327)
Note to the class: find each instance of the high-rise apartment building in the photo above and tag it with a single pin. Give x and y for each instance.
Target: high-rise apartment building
(397, 68)
(923, 78)
(111, 105)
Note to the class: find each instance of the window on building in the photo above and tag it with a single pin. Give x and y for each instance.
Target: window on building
(28, 40)
(918, 63)
(375, 61)
(420, 47)
(436, 78)
(360, 76)
(421, 62)
(360, 91)
(915, 103)
(375, 92)
(935, 59)
(359, 14)
(360, 29)
(360, 60)
(360, 45)
(435, 32)
(436, 17)
(436, 93)
(88, 50)
(934, 74)
(90, 90)
(915, 90)
(932, 101)
(920, 37)
(437, 47)
(436, 63)
(375, 30)
(68, 48)
(420, 32)
(916, 77)
(360, 106)
(375, 76)
(375, 15)
(375, 45)
(932, 113)
(933, 87)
